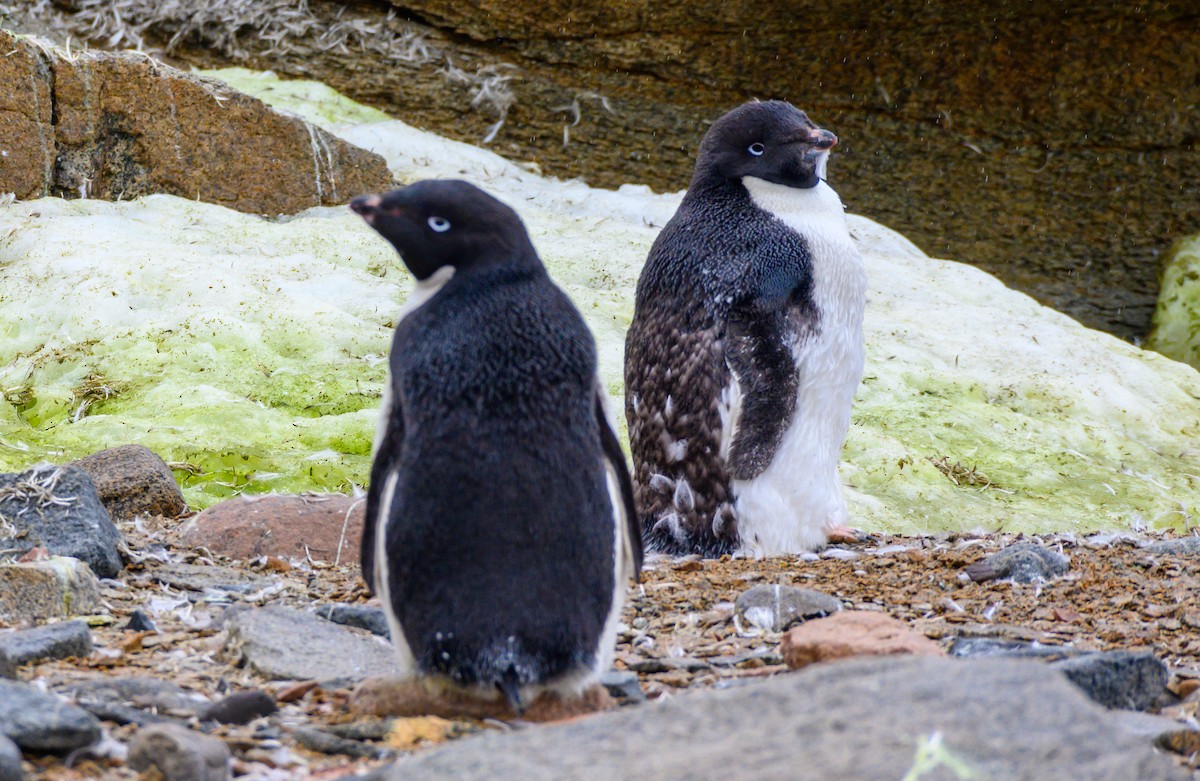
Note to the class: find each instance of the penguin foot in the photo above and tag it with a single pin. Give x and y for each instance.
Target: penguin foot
(841, 534)
(388, 696)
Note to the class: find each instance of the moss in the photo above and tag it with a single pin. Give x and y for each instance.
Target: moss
(1176, 331)
(312, 100)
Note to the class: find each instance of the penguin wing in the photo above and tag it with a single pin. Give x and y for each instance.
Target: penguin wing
(630, 531)
(388, 436)
(757, 342)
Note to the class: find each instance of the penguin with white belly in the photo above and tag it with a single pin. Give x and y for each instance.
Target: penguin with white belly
(746, 346)
(500, 530)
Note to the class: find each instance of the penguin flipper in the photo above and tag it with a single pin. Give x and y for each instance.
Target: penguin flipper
(387, 447)
(758, 354)
(616, 462)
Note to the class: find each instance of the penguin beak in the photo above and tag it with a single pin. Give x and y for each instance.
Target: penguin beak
(367, 207)
(822, 139)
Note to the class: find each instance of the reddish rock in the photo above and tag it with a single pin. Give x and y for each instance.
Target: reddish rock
(853, 633)
(132, 480)
(118, 126)
(414, 697)
(326, 527)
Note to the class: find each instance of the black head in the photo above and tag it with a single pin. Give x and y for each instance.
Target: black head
(441, 222)
(771, 140)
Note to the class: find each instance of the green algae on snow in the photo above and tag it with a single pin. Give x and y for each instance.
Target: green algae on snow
(312, 101)
(1176, 331)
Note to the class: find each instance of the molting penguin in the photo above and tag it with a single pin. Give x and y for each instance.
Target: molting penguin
(499, 526)
(746, 346)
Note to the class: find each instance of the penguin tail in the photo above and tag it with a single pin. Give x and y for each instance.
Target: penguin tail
(509, 684)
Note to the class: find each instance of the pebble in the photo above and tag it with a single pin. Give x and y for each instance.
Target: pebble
(285, 644)
(1024, 562)
(57, 508)
(240, 708)
(623, 685)
(132, 481)
(10, 761)
(57, 587)
(1129, 680)
(372, 619)
(139, 622)
(852, 633)
(54, 641)
(41, 722)
(775, 608)
(179, 754)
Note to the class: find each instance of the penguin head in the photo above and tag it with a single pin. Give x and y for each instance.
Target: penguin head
(771, 140)
(438, 223)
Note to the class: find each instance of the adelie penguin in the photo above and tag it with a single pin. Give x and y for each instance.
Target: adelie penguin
(746, 346)
(500, 530)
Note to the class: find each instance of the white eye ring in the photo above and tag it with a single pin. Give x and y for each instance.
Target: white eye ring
(439, 224)
(756, 149)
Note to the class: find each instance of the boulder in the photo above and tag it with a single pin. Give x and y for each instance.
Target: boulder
(41, 722)
(862, 719)
(57, 508)
(327, 527)
(93, 124)
(57, 587)
(132, 480)
(962, 125)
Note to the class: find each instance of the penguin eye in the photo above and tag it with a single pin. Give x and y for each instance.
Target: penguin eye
(756, 149)
(439, 224)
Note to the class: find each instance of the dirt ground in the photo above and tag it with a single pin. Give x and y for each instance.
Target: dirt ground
(678, 631)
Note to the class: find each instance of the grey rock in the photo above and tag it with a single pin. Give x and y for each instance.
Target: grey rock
(775, 608)
(328, 743)
(54, 641)
(10, 761)
(1001, 718)
(57, 508)
(1131, 680)
(623, 685)
(240, 707)
(968, 647)
(1182, 546)
(58, 587)
(372, 619)
(139, 622)
(115, 695)
(42, 722)
(1024, 562)
(205, 578)
(7, 668)
(179, 754)
(281, 643)
(132, 480)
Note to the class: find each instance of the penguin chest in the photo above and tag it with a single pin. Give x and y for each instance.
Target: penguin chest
(790, 505)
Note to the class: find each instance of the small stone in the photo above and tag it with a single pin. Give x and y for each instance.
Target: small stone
(391, 696)
(132, 481)
(56, 641)
(179, 754)
(1024, 562)
(775, 608)
(327, 743)
(41, 722)
(10, 761)
(1130, 680)
(57, 508)
(295, 691)
(139, 692)
(285, 644)
(240, 708)
(1182, 546)
(207, 578)
(326, 527)
(971, 647)
(372, 619)
(623, 685)
(58, 587)
(852, 633)
(139, 622)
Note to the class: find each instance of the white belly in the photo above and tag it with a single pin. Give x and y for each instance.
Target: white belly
(791, 505)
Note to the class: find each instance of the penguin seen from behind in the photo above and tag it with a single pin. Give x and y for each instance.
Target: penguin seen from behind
(499, 527)
(746, 346)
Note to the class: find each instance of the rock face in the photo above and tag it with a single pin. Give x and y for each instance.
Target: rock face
(116, 126)
(999, 718)
(327, 527)
(132, 480)
(57, 508)
(1012, 138)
